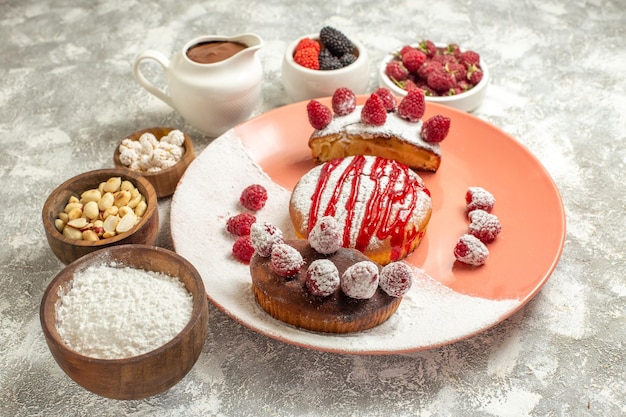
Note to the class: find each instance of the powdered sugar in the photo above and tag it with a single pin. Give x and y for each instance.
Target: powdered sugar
(112, 312)
(394, 126)
(430, 314)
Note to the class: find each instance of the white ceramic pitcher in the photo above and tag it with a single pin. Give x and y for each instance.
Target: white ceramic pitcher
(211, 97)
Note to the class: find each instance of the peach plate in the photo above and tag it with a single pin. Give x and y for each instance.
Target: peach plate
(475, 153)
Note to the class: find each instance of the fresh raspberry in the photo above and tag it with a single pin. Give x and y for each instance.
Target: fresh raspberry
(308, 43)
(413, 60)
(428, 47)
(307, 57)
(474, 75)
(409, 85)
(412, 105)
(405, 49)
(477, 198)
(396, 278)
(326, 236)
(484, 226)
(343, 101)
(470, 250)
(264, 236)
(469, 58)
(253, 197)
(285, 260)
(319, 115)
(429, 67)
(441, 81)
(444, 59)
(435, 129)
(452, 49)
(373, 112)
(396, 71)
(242, 249)
(457, 70)
(360, 280)
(322, 278)
(240, 224)
(388, 99)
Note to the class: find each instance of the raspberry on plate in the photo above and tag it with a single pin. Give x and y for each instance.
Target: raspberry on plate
(322, 278)
(470, 250)
(343, 101)
(436, 128)
(360, 280)
(263, 237)
(479, 198)
(373, 111)
(253, 197)
(240, 224)
(319, 115)
(484, 226)
(412, 106)
(285, 260)
(242, 249)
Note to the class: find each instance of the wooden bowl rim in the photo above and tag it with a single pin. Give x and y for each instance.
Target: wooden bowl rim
(186, 159)
(106, 255)
(113, 172)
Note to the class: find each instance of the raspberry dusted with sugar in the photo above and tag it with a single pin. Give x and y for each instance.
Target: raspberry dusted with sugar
(396, 278)
(253, 197)
(436, 128)
(470, 250)
(242, 249)
(326, 236)
(240, 224)
(263, 237)
(388, 99)
(412, 105)
(479, 198)
(360, 280)
(319, 115)
(322, 278)
(343, 101)
(373, 111)
(483, 225)
(285, 260)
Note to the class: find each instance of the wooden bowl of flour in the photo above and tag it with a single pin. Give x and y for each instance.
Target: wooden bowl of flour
(94, 360)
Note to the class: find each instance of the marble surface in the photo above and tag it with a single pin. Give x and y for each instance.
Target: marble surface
(67, 96)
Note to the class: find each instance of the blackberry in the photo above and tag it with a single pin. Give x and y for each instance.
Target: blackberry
(328, 61)
(335, 41)
(347, 59)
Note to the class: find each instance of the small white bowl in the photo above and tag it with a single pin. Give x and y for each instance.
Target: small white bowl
(467, 101)
(304, 84)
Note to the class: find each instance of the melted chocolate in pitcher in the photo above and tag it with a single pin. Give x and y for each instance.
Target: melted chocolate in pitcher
(211, 52)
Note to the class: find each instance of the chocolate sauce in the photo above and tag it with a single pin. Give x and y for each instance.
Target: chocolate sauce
(215, 51)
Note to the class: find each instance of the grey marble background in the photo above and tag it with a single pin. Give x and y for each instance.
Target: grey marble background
(67, 96)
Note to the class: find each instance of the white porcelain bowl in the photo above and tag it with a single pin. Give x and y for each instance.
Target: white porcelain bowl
(304, 84)
(467, 101)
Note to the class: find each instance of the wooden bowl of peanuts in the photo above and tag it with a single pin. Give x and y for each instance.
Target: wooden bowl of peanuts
(137, 344)
(98, 209)
(160, 154)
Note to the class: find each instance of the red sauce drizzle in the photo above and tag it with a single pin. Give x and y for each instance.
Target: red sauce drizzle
(378, 217)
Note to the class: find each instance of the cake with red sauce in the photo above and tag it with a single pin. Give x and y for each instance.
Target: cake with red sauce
(382, 206)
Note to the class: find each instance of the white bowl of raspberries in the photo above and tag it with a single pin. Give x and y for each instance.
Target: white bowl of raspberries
(446, 73)
(315, 65)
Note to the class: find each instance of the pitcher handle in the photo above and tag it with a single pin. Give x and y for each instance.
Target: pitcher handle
(164, 62)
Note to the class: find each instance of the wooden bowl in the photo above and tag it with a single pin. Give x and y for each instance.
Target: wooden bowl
(166, 180)
(67, 249)
(147, 374)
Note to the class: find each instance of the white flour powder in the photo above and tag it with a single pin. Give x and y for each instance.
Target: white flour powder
(112, 312)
